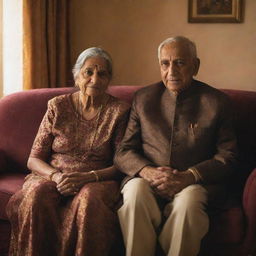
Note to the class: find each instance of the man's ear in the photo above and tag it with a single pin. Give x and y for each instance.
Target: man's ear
(196, 66)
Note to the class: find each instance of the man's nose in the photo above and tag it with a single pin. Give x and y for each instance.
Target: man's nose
(172, 69)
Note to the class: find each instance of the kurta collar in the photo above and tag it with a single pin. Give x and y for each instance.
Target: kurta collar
(182, 94)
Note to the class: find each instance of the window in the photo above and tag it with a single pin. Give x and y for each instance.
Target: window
(11, 46)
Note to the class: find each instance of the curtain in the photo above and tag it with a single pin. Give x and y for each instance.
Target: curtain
(45, 44)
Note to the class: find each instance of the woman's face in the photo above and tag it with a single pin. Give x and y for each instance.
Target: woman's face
(93, 78)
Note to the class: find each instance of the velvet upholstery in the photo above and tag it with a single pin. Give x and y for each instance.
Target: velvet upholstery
(232, 231)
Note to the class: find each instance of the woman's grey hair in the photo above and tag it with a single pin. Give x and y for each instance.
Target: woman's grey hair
(89, 53)
(191, 45)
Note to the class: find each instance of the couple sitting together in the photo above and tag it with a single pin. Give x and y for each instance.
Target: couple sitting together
(173, 151)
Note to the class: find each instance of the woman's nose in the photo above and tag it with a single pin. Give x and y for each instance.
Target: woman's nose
(94, 78)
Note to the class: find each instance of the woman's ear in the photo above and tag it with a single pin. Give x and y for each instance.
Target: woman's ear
(196, 66)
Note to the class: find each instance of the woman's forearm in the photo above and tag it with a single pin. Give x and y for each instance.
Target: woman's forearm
(45, 170)
(41, 168)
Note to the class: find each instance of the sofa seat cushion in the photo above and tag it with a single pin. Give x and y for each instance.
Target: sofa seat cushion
(227, 226)
(9, 185)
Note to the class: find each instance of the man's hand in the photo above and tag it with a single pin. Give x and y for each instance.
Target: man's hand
(152, 174)
(171, 182)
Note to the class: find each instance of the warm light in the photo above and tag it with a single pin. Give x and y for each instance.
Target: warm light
(12, 46)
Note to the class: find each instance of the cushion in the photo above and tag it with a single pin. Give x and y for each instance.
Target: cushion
(9, 184)
(227, 226)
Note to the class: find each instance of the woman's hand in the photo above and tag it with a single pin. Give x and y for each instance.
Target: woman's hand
(70, 183)
(57, 177)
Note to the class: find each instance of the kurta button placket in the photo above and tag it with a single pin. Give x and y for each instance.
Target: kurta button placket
(174, 129)
(174, 144)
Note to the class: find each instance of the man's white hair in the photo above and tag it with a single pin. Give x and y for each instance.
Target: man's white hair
(191, 45)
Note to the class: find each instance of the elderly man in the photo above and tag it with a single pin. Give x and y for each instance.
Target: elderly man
(178, 151)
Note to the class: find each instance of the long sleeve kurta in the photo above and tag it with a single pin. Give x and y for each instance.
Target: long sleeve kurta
(192, 129)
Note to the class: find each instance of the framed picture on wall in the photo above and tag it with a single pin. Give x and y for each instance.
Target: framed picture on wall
(214, 11)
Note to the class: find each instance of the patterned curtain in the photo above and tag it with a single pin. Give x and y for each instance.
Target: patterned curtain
(46, 47)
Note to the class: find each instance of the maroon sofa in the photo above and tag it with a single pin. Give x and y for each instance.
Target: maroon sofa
(232, 231)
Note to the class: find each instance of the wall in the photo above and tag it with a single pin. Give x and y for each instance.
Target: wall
(131, 31)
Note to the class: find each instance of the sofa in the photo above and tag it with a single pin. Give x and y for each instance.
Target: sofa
(232, 229)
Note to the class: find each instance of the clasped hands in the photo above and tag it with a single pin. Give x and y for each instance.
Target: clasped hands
(70, 183)
(166, 181)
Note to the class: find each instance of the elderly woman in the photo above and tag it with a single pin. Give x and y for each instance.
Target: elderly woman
(67, 204)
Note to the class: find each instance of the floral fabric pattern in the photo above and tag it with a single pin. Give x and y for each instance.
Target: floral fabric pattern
(46, 223)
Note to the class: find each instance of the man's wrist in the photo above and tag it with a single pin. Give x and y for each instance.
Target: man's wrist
(145, 172)
(196, 175)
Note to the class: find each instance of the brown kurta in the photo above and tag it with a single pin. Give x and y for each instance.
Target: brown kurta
(192, 129)
(46, 223)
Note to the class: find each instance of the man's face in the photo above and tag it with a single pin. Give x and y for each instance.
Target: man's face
(177, 66)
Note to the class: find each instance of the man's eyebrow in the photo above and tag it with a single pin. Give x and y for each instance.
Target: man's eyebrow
(180, 59)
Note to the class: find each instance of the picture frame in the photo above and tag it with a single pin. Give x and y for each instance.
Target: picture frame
(215, 11)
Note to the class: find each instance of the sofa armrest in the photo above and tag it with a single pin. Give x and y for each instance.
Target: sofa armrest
(249, 205)
(3, 162)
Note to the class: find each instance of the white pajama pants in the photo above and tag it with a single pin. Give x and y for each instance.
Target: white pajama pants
(140, 217)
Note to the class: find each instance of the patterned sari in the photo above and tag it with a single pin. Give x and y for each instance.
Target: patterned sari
(46, 223)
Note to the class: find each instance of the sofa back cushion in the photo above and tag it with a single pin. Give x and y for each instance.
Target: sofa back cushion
(244, 103)
(20, 117)
(22, 112)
